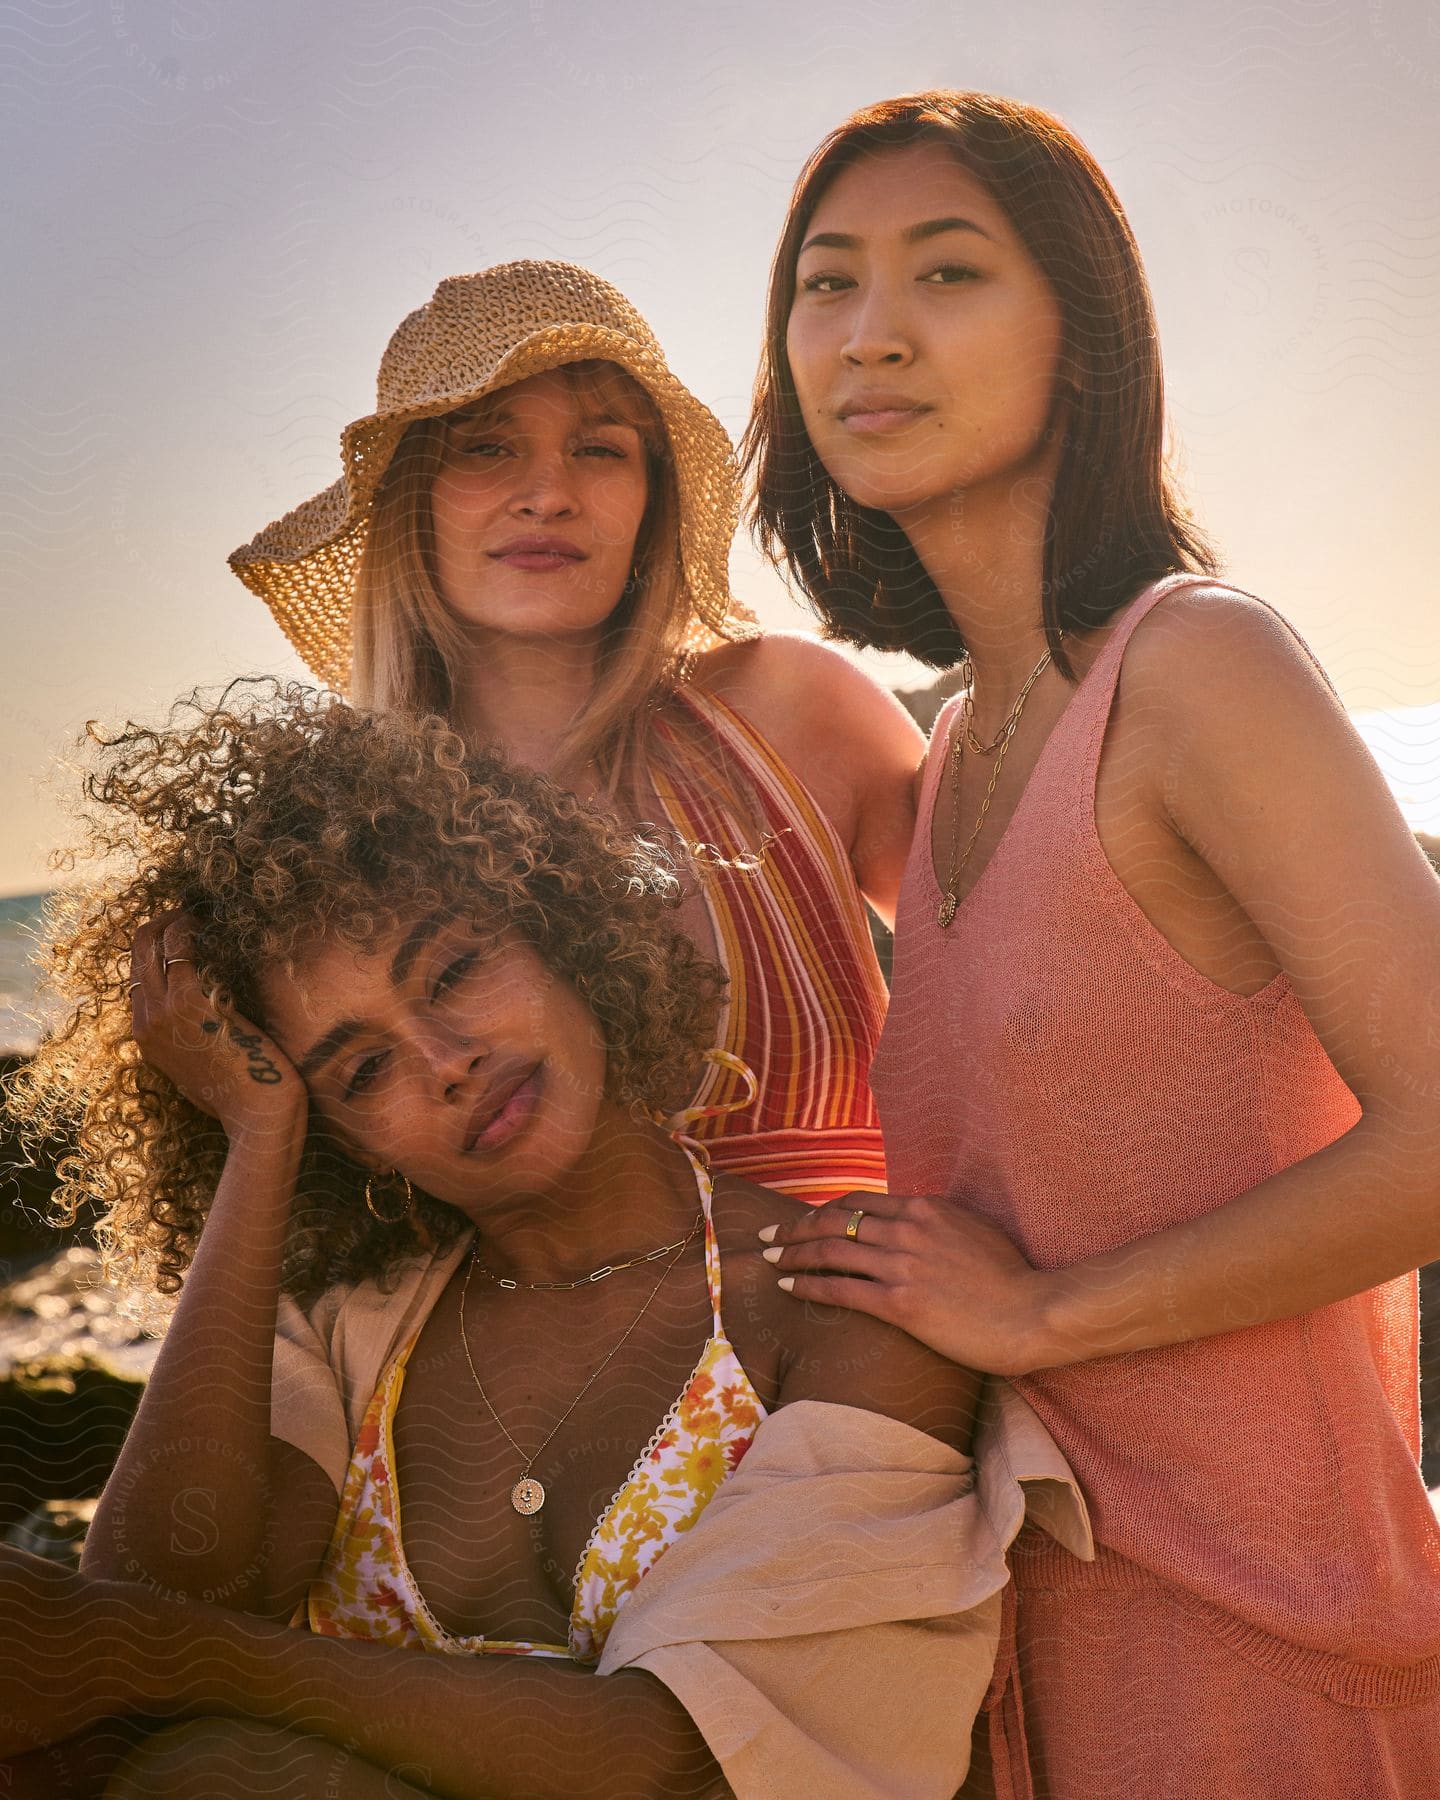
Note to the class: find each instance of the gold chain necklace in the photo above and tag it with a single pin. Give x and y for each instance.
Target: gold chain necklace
(966, 734)
(527, 1496)
(972, 743)
(557, 1287)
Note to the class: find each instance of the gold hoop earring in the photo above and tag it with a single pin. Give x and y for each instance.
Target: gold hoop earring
(405, 1210)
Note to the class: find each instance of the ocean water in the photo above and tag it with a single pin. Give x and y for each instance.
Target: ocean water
(19, 916)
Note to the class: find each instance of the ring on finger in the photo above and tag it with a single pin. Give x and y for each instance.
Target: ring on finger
(852, 1224)
(166, 962)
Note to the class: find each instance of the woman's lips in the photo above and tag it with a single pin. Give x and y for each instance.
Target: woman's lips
(538, 562)
(512, 1118)
(883, 419)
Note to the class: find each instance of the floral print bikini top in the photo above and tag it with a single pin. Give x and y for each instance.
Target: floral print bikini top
(365, 1588)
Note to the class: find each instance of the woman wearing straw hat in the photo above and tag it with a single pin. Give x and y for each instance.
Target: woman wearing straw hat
(531, 538)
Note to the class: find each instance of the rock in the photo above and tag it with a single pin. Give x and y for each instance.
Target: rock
(59, 1306)
(54, 1529)
(62, 1422)
(73, 1365)
(923, 703)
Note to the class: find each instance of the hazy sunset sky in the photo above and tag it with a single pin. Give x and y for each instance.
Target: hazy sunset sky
(217, 212)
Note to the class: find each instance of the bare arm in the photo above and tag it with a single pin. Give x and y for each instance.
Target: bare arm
(850, 742)
(497, 1726)
(186, 1507)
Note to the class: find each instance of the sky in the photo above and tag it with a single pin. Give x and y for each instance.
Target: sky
(216, 211)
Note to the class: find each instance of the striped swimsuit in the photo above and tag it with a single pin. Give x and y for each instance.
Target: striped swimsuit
(365, 1588)
(807, 1000)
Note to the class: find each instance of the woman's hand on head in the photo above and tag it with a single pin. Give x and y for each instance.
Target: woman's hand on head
(220, 1062)
(928, 1265)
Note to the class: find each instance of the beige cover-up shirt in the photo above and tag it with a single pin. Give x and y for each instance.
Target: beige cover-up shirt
(831, 1622)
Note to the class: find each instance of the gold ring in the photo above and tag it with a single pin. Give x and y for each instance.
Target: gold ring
(166, 961)
(852, 1225)
(130, 986)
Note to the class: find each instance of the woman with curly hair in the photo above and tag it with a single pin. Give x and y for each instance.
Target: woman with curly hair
(531, 538)
(376, 1090)
(1160, 1072)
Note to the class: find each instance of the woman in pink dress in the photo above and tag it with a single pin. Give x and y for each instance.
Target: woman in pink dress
(1160, 1077)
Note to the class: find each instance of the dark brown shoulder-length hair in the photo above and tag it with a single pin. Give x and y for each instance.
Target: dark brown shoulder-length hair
(1116, 520)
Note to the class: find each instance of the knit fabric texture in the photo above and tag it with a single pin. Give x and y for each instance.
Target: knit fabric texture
(1265, 1541)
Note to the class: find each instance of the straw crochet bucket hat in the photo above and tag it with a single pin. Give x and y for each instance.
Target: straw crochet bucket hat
(476, 334)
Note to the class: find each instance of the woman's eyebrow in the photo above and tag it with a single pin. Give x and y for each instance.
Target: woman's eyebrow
(413, 943)
(401, 964)
(320, 1052)
(913, 234)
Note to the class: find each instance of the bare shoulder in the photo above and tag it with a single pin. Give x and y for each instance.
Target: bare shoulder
(758, 1316)
(1264, 771)
(730, 668)
(774, 677)
(1212, 644)
(847, 739)
(828, 1353)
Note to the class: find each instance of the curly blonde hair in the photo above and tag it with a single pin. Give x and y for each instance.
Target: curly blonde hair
(280, 815)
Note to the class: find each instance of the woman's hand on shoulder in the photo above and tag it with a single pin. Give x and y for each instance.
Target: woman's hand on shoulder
(816, 1351)
(848, 739)
(221, 1063)
(926, 1267)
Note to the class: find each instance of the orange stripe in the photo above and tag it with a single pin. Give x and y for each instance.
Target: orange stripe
(786, 928)
(731, 952)
(823, 842)
(807, 1000)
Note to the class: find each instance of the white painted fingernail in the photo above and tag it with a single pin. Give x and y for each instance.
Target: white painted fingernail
(787, 1282)
(773, 1254)
(767, 1236)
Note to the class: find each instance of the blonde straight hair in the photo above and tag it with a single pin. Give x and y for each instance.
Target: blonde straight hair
(408, 647)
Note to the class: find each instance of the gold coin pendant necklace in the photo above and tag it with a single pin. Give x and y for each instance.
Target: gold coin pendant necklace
(527, 1496)
(965, 736)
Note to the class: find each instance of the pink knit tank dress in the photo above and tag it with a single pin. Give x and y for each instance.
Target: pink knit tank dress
(1262, 1621)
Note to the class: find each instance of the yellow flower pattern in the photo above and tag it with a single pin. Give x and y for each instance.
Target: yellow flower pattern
(365, 1588)
(701, 1441)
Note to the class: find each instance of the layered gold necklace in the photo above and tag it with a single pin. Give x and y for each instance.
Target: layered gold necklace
(527, 1495)
(965, 738)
